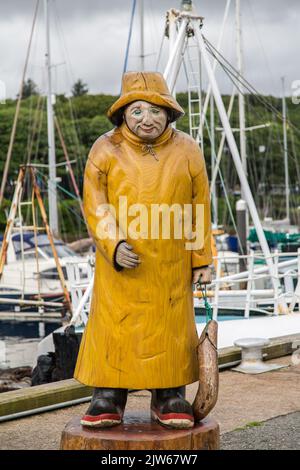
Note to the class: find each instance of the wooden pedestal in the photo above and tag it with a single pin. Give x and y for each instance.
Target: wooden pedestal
(138, 432)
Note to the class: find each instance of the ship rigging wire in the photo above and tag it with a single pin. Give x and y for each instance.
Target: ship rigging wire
(244, 82)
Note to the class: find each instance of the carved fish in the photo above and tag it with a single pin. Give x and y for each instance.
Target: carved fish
(207, 394)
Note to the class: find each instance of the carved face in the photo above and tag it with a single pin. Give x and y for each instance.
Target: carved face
(146, 120)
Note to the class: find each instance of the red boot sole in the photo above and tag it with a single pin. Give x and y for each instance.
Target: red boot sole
(104, 420)
(173, 420)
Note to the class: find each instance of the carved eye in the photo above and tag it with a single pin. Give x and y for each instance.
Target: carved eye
(136, 112)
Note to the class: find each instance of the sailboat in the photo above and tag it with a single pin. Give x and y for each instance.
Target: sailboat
(36, 265)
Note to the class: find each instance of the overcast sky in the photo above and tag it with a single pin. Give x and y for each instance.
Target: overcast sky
(88, 39)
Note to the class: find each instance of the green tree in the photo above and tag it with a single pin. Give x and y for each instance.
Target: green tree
(83, 119)
(79, 88)
(29, 88)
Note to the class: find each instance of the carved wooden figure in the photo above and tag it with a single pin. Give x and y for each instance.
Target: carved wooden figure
(141, 332)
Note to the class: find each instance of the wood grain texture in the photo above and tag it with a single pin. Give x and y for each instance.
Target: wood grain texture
(42, 395)
(138, 432)
(141, 331)
(208, 388)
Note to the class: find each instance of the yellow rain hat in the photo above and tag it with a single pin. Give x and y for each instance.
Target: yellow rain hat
(144, 86)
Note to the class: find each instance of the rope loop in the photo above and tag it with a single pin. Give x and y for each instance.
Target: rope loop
(208, 307)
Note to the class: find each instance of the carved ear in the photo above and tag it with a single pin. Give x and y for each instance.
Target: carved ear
(119, 117)
(171, 115)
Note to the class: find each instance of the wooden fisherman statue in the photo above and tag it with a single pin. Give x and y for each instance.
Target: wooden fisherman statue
(141, 332)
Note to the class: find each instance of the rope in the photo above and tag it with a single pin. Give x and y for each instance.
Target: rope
(225, 194)
(17, 112)
(72, 196)
(232, 73)
(208, 307)
(74, 136)
(236, 74)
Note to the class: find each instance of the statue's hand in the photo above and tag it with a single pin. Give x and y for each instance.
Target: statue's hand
(125, 257)
(202, 275)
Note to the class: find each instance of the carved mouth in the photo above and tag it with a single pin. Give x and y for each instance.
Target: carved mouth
(148, 130)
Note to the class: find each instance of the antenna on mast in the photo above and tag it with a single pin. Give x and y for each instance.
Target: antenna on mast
(142, 26)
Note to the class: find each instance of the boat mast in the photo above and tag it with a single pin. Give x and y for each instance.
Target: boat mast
(142, 56)
(243, 215)
(129, 36)
(52, 192)
(285, 150)
(243, 144)
(17, 112)
(213, 161)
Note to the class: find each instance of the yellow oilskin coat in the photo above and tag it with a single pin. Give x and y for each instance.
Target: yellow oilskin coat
(141, 331)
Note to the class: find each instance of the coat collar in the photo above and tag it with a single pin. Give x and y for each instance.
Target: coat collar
(134, 139)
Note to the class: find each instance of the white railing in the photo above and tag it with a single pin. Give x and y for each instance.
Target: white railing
(224, 288)
(80, 283)
(286, 271)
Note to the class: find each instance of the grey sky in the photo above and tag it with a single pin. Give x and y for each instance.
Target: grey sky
(89, 40)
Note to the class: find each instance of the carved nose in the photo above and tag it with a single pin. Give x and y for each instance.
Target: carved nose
(147, 122)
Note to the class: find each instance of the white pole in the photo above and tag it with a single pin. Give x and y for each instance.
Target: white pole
(243, 149)
(242, 117)
(217, 290)
(249, 285)
(142, 36)
(285, 149)
(296, 296)
(221, 146)
(276, 290)
(292, 263)
(236, 158)
(174, 46)
(213, 161)
(175, 58)
(79, 312)
(52, 194)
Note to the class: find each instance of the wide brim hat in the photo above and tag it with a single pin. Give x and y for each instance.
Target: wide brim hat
(144, 86)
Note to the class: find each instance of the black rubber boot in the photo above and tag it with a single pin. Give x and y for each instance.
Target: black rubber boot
(169, 408)
(106, 408)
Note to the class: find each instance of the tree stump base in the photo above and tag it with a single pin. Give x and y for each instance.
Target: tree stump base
(139, 432)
